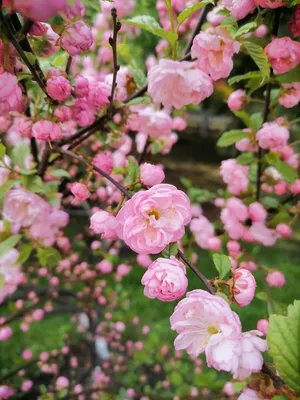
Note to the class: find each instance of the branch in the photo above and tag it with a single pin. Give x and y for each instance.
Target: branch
(100, 171)
(113, 42)
(44, 162)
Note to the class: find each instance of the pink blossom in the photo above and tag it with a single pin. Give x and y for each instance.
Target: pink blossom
(229, 389)
(239, 8)
(81, 88)
(83, 113)
(165, 279)
(262, 326)
(6, 392)
(38, 315)
(58, 88)
(74, 10)
(5, 333)
(37, 29)
(151, 122)
(263, 234)
(178, 83)
(151, 174)
(63, 113)
(27, 354)
(4, 169)
(275, 278)
(24, 126)
(80, 191)
(76, 38)
(261, 31)
(144, 260)
(283, 54)
(120, 326)
(49, 42)
(44, 131)
(257, 212)
(123, 270)
(105, 224)
(249, 394)
(244, 287)
(284, 230)
(198, 318)
(41, 10)
(270, 3)
(106, 267)
(291, 95)
(61, 383)
(294, 22)
(272, 135)
(10, 93)
(214, 243)
(235, 176)
(152, 219)
(232, 217)
(236, 100)
(104, 162)
(214, 52)
(99, 93)
(179, 124)
(26, 386)
(214, 17)
(124, 83)
(203, 230)
(123, 9)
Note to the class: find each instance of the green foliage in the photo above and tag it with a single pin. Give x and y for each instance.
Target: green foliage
(289, 77)
(222, 264)
(25, 252)
(284, 342)
(148, 23)
(20, 153)
(287, 172)
(9, 244)
(248, 75)
(48, 256)
(190, 10)
(231, 137)
(259, 56)
(139, 100)
(170, 250)
(133, 173)
(2, 150)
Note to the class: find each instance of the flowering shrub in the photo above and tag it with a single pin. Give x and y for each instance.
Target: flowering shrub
(79, 119)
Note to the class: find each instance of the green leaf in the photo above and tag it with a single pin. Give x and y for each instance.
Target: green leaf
(60, 60)
(259, 56)
(31, 57)
(245, 158)
(156, 147)
(284, 342)
(170, 250)
(270, 202)
(289, 77)
(60, 173)
(133, 173)
(139, 100)
(188, 11)
(150, 24)
(20, 153)
(288, 173)
(2, 151)
(33, 184)
(244, 116)
(262, 296)
(6, 187)
(25, 251)
(256, 121)
(48, 256)
(246, 28)
(248, 75)
(222, 264)
(187, 183)
(231, 137)
(138, 76)
(9, 244)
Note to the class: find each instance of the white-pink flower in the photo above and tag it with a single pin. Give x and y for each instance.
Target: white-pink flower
(239, 8)
(178, 83)
(244, 287)
(153, 218)
(272, 135)
(105, 224)
(235, 176)
(10, 93)
(214, 52)
(77, 38)
(151, 174)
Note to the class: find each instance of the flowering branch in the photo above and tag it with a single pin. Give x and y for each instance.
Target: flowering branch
(113, 43)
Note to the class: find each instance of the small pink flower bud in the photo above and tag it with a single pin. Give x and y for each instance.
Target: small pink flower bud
(151, 174)
(284, 230)
(262, 325)
(80, 191)
(58, 88)
(236, 101)
(275, 278)
(104, 162)
(244, 287)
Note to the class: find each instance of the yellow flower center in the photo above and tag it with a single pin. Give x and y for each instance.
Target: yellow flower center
(212, 330)
(155, 213)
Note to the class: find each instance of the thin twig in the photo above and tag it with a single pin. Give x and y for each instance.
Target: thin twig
(113, 43)
(69, 64)
(44, 162)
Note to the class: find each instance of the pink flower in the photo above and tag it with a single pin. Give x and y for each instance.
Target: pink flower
(198, 318)
(81, 88)
(124, 81)
(284, 230)
(214, 52)
(232, 217)
(24, 126)
(229, 389)
(177, 84)
(236, 100)
(151, 122)
(261, 31)
(262, 326)
(80, 191)
(61, 383)
(249, 394)
(99, 93)
(46, 130)
(203, 230)
(144, 260)
(58, 88)
(83, 113)
(106, 267)
(270, 3)
(179, 124)
(244, 287)
(105, 224)
(283, 54)
(275, 278)
(63, 113)
(41, 10)
(10, 93)
(239, 8)
(49, 44)
(6, 392)
(27, 354)
(262, 234)
(235, 176)
(272, 135)
(257, 213)
(4, 170)
(26, 385)
(123, 270)
(291, 95)
(5, 334)
(76, 9)
(214, 17)
(294, 22)
(77, 38)
(151, 174)
(123, 9)
(165, 279)
(104, 162)
(152, 219)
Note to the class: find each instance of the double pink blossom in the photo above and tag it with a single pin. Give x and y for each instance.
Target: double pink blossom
(10, 93)
(105, 224)
(283, 54)
(235, 176)
(41, 10)
(272, 135)
(165, 279)
(270, 3)
(239, 9)
(45, 130)
(151, 174)
(178, 83)
(76, 38)
(58, 88)
(152, 219)
(244, 285)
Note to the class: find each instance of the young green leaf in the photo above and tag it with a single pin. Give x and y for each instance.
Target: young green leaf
(170, 250)
(9, 244)
(288, 173)
(20, 153)
(25, 252)
(222, 264)
(259, 56)
(231, 137)
(248, 75)
(48, 256)
(188, 11)
(284, 342)
(133, 171)
(2, 151)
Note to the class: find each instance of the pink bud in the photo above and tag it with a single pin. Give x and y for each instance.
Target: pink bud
(104, 162)
(257, 213)
(284, 230)
(236, 101)
(214, 243)
(80, 191)
(27, 354)
(244, 287)
(151, 174)
(5, 333)
(77, 38)
(26, 385)
(262, 325)
(275, 278)
(105, 267)
(38, 315)
(61, 383)
(144, 260)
